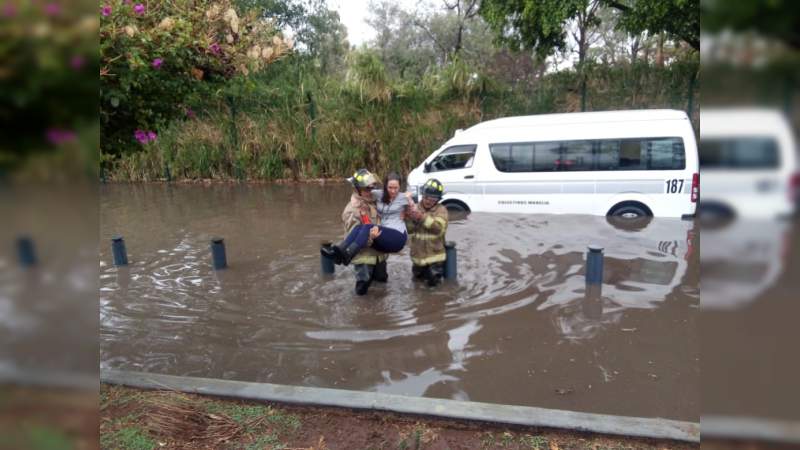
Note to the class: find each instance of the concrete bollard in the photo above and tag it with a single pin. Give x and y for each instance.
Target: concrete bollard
(326, 262)
(594, 266)
(25, 251)
(218, 258)
(451, 263)
(118, 249)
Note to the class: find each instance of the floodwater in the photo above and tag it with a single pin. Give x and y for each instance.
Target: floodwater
(515, 328)
(48, 312)
(749, 316)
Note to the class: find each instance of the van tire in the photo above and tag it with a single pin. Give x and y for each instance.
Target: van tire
(630, 210)
(456, 206)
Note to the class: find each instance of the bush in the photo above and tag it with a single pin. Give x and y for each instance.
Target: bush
(156, 58)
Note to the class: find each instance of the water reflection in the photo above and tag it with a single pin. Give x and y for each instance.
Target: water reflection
(749, 335)
(516, 327)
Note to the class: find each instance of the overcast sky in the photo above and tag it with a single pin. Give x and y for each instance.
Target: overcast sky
(352, 14)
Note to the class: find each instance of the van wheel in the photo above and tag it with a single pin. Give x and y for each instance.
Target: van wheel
(456, 207)
(630, 211)
(629, 216)
(456, 210)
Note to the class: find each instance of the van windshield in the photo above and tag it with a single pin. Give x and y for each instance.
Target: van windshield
(458, 157)
(739, 153)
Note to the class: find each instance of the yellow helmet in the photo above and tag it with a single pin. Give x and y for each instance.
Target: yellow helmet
(432, 188)
(363, 178)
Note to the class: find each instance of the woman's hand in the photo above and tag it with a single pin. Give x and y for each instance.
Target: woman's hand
(363, 210)
(374, 232)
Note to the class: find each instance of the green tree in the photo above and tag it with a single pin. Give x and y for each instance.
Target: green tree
(680, 19)
(779, 19)
(541, 24)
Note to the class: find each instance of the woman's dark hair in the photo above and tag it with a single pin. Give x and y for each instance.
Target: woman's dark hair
(392, 176)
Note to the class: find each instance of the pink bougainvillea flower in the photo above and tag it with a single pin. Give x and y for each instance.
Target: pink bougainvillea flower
(77, 62)
(214, 48)
(140, 136)
(144, 136)
(190, 113)
(52, 9)
(105, 11)
(138, 8)
(57, 136)
(157, 63)
(9, 10)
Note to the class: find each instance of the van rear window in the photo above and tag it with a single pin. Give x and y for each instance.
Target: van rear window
(740, 153)
(666, 153)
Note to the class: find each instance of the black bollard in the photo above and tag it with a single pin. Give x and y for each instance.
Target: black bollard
(218, 253)
(25, 251)
(118, 249)
(594, 266)
(451, 263)
(326, 262)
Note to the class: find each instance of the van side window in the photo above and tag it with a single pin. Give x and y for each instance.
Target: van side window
(739, 153)
(590, 155)
(451, 158)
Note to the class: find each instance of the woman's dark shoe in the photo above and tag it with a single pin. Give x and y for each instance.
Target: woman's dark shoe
(347, 254)
(328, 252)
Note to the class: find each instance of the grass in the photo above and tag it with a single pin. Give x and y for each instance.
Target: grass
(270, 441)
(508, 440)
(129, 438)
(47, 438)
(244, 414)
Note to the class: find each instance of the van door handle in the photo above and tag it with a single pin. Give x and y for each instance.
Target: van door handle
(469, 177)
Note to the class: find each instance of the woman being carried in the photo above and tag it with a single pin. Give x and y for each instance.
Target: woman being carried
(391, 236)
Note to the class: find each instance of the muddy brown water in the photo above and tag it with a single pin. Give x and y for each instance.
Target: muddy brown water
(48, 312)
(516, 328)
(750, 311)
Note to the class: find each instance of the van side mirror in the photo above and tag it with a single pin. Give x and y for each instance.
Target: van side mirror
(426, 168)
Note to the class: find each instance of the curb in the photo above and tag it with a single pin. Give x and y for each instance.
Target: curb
(451, 409)
(751, 428)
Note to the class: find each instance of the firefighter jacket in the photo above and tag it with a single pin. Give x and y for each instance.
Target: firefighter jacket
(351, 217)
(426, 236)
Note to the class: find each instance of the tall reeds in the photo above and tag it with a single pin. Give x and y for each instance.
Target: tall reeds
(290, 125)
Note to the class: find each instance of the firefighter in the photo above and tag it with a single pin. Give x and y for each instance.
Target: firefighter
(427, 225)
(361, 209)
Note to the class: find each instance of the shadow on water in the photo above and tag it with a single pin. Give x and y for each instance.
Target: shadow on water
(517, 327)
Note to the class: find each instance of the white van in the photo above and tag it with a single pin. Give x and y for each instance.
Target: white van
(619, 163)
(749, 164)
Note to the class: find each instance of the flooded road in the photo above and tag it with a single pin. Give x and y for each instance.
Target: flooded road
(48, 312)
(516, 328)
(749, 316)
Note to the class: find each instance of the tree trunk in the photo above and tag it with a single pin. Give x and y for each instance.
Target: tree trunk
(634, 49)
(660, 51)
(459, 37)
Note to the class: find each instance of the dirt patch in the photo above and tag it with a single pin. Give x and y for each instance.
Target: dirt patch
(132, 418)
(44, 418)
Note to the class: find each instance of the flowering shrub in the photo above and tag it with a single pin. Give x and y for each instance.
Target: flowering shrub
(155, 57)
(48, 85)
